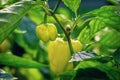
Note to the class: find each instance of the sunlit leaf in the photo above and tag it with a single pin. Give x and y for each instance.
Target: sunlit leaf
(5, 75)
(80, 56)
(11, 15)
(72, 4)
(12, 60)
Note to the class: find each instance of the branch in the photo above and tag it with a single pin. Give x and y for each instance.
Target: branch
(56, 6)
(66, 34)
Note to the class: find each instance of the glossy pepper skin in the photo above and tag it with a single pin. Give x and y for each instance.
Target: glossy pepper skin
(46, 32)
(59, 55)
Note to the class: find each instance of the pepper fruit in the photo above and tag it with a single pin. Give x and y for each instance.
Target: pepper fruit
(46, 32)
(59, 55)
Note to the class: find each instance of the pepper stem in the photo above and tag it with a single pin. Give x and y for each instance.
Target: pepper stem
(45, 18)
(52, 13)
(66, 34)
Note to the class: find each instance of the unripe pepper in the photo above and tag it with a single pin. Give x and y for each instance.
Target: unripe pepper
(59, 55)
(46, 32)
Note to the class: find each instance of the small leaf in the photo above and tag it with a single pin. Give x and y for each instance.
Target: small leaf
(19, 31)
(5, 75)
(80, 56)
(15, 61)
(72, 4)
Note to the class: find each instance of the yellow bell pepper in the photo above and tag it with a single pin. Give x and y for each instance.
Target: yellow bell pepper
(46, 32)
(59, 55)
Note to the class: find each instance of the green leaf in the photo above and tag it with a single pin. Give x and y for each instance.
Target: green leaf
(112, 73)
(90, 74)
(11, 15)
(27, 39)
(106, 16)
(116, 2)
(15, 61)
(96, 25)
(109, 15)
(103, 59)
(36, 14)
(72, 4)
(85, 36)
(81, 23)
(110, 39)
(68, 75)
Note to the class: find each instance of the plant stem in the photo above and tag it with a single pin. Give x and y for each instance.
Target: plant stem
(76, 15)
(45, 18)
(56, 6)
(52, 13)
(61, 26)
(78, 18)
(66, 34)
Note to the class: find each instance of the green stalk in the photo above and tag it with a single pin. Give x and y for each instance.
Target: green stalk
(66, 34)
(45, 18)
(56, 6)
(61, 26)
(52, 13)
(80, 18)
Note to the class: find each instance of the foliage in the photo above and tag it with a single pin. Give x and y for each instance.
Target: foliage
(10, 16)
(97, 30)
(8, 59)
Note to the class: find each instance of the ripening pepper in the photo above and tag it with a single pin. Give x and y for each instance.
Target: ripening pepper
(46, 32)
(59, 55)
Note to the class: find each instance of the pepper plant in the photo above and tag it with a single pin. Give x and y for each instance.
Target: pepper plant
(40, 42)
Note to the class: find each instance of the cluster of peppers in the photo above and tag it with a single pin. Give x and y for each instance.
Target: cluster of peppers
(58, 51)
